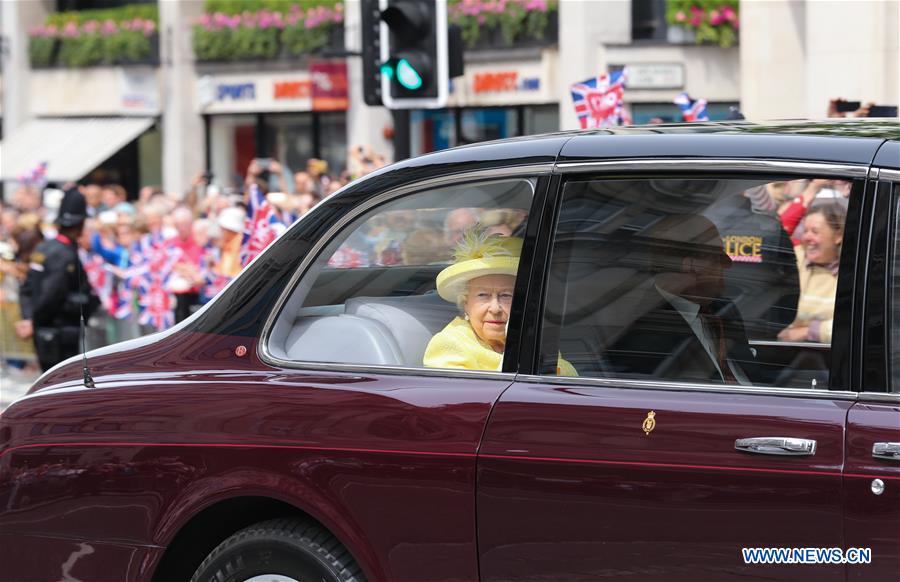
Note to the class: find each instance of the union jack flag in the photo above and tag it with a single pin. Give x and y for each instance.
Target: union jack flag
(100, 277)
(691, 109)
(157, 307)
(599, 101)
(155, 271)
(262, 227)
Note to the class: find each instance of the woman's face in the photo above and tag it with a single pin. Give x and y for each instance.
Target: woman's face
(487, 306)
(819, 240)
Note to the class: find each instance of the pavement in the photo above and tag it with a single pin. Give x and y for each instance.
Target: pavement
(14, 384)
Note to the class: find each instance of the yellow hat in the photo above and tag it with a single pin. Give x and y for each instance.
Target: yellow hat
(478, 255)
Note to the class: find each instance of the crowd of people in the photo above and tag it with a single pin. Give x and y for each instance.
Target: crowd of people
(154, 257)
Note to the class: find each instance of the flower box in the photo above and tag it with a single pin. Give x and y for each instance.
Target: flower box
(498, 24)
(267, 35)
(94, 44)
(706, 21)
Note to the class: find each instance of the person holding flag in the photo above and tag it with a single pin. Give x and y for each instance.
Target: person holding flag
(691, 109)
(599, 101)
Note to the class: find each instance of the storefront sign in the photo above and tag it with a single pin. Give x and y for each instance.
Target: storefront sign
(510, 83)
(235, 92)
(293, 89)
(655, 76)
(504, 81)
(256, 93)
(137, 91)
(94, 91)
(329, 85)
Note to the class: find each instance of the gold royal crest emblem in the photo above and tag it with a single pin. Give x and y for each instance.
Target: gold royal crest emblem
(649, 423)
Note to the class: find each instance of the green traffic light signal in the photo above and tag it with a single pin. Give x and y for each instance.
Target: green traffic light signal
(408, 76)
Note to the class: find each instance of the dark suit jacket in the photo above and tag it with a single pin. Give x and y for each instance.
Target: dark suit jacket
(661, 345)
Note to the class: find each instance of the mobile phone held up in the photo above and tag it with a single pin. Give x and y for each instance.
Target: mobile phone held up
(883, 111)
(263, 163)
(847, 106)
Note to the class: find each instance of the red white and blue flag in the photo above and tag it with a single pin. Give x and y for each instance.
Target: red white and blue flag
(157, 306)
(599, 102)
(691, 109)
(263, 225)
(99, 275)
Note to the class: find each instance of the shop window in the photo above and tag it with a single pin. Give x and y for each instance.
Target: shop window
(648, 20)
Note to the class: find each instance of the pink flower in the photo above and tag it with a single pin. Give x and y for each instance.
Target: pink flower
(149, 27)
(51, 30)
(729, 13)
(715, 18)
(680, 16)
(90, 27)
(736, 24)
(109, 28)
(205, 20)
(70, 30)
(696, 16)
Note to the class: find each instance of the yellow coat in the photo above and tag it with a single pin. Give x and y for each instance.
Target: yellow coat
(457, 346)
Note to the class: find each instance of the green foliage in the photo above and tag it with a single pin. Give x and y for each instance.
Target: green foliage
(40, 50)
(255, 43)
(127, 45)
(86, 50)
(713, 21)
(299, 40)
(120, 14)
(214, 45)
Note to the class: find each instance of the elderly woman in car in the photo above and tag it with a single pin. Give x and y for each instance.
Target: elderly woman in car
(480, 282)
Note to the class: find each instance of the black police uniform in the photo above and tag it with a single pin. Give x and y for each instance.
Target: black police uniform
(51, 296)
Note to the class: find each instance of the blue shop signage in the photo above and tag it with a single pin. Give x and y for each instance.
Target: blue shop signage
(236, 91)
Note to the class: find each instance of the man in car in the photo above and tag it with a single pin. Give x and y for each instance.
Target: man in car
(687, 330)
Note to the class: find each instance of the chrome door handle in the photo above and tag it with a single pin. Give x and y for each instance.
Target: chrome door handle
(888, 451)
(777, 446)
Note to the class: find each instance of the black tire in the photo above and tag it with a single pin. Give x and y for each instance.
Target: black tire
(296, 549)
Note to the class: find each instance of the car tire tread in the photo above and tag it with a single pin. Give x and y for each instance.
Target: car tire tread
(302, 534)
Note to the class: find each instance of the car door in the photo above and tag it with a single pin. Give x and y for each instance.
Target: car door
(872, 472)
(346, 348)
(667, 456)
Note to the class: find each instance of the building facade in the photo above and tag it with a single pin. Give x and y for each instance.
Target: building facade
(182, 112)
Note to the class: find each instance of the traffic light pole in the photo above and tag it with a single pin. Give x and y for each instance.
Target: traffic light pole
(402, 134)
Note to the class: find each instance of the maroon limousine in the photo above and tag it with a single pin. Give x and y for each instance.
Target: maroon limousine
(653, 354)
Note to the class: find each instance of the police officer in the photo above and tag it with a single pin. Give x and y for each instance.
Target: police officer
(55, 292)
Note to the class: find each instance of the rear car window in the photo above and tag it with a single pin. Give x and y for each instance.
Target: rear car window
(722, 281)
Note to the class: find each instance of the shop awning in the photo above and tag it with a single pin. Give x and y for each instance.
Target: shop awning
(71, 147)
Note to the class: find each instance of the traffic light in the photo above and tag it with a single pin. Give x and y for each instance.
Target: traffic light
(414, 54)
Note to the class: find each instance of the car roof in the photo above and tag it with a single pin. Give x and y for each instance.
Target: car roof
(852, 141)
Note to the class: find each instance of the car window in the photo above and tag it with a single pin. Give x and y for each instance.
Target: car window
(696, 280)
(371, 296)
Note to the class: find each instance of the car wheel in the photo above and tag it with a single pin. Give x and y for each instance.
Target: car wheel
(280, 550)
